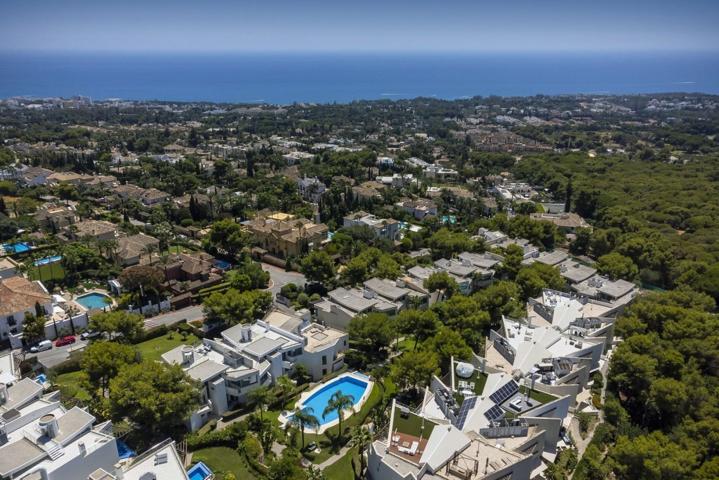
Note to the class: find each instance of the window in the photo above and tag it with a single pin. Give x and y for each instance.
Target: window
(324, 359)
(11, 320)
(248, 381)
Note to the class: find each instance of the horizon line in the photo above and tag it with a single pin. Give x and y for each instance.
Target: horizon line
(31, 51)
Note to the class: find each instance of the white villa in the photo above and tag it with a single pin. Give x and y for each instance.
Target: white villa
(42, 440)
(250, 356)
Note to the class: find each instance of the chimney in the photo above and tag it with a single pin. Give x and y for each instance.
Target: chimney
(83, 449)
(3, 394)
(48, 425)
(246, 334)
(119, 472)
(188, 355)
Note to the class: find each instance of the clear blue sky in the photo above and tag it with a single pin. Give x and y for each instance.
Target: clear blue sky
(359, 25)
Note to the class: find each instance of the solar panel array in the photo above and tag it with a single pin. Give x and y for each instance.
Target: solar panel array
(494, 413)
(505, 392)
(467, 405)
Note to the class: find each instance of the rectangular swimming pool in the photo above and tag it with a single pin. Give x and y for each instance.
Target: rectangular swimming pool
(199, 471)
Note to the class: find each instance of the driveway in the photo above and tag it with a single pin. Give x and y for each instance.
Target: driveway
(279, 278)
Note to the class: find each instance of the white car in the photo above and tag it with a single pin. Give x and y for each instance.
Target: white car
(42, 346)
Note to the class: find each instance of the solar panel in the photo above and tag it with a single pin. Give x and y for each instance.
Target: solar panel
(505, 392)
(467, 405)
(494, 413)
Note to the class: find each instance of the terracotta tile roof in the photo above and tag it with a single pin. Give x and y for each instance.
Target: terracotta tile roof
(18, 294)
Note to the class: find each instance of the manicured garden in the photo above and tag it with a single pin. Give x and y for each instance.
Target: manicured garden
(154, 348)
(412, 424)
(70, 384)
(223, 460)
(329, 441)
(47, 272)
(342, 468)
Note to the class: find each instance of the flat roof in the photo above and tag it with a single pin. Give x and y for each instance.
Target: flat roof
(351, 299)
(574, 271)
(21, 392)
(386, 288)
(264, 346)
(319, 337)
(552, 258)
(206, 370)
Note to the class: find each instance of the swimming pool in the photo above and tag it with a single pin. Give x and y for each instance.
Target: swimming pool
(20, 247)
(123, 450)
(199, 471)
(222, 265)
(350, 384)
(94, 300)
(48, 260)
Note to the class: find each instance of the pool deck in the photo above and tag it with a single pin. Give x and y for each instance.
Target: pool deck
(283, 418)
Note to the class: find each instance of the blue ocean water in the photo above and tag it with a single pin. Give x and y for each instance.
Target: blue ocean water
(286, 78)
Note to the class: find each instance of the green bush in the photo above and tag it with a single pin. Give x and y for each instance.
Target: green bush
(227, 437)
(72, 364)
(252, 450)
(154, 333)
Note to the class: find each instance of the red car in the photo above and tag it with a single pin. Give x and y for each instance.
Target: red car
(62, 341)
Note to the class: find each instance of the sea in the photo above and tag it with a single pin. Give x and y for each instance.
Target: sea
(285, 78)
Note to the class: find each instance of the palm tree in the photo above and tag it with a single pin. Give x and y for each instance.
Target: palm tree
(71, 312)
(285, 385)
(149, 250)
(302, 418)
(261, 397)
(338, 402)
(361, 437)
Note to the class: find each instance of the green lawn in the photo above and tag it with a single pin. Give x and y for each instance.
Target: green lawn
(480, 379)
(52, 271)
(150, 350)
(153, 349)
(222, 460)
(538, 396)
(70, 386)
(342, 468)
(412, 425)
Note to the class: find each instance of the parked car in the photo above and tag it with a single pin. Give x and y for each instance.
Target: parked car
(89, 335)
(42, 346)
(67, 340)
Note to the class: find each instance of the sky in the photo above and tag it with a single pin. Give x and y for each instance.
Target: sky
(358, 25)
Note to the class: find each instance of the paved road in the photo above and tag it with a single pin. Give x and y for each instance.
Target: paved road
(57, 355)
(188, 313)
(279, 278)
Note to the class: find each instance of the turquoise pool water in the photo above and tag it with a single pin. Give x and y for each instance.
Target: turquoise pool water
(93, 300)
(199, 471)
(351, 386)
(48, 260)
(20, 247)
